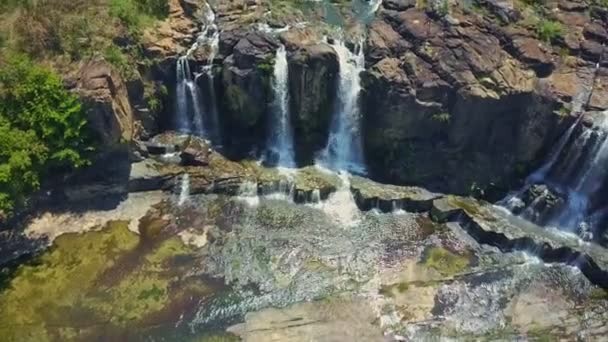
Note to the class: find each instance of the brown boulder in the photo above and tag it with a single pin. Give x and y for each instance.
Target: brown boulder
(175, 34)
(599, 97)
(415, 24)
(254, 48)
(106, 102)
(597, 32)
(592, 50)
(383, 41)
(534, 53)
(195, 153)
(399, 5)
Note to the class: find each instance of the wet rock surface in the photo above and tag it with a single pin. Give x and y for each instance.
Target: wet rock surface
(235, 250)
(105, 97)
(484, 95)
(234, 268)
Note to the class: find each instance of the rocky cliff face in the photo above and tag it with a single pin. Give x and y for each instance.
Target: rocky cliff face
(105, 97)
(468, 102)
(246, 76)
(462, 101)
(313, 74)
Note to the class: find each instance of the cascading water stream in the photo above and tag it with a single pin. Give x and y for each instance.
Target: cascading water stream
(576, 173)
(195, 114)
(184, 191)
(365, 9)
(280, 148)
(185, 94)
(566, 192)
(211, 39)
(344, 150)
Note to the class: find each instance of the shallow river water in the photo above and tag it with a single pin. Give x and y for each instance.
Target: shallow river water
(219, 268)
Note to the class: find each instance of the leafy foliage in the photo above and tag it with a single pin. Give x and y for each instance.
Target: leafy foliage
(139, 13)
(66, 31)
(42, 129)
(548, 30)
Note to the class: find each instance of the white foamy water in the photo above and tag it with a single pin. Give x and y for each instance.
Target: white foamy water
(184, 191)
(577, 168)
(280, 147)
(248, 193)
(194, 113)
(344, 150)
(341, 206)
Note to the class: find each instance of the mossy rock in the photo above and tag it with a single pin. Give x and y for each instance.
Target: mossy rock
(445, 262)
(390, 290)
(112, 276)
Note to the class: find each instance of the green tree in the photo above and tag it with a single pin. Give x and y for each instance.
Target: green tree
(42, 129)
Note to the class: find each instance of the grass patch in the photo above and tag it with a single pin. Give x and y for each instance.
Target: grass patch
(598, 294)
(390, 290)
(441, 118)
(548, 30)
(62, 32)
(445, 262)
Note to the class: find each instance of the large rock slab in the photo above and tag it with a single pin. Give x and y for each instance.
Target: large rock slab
(106, 102)
(334, 320)
(494, 226)
(371, 195)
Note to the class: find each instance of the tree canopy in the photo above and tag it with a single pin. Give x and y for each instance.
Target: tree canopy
(43, 129)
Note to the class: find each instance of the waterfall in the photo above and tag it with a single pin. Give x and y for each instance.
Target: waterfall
(576, 172)
(211, 39)
(189, 112)
(344, 150)
(195, 114)
(184, 191)
(280, 148)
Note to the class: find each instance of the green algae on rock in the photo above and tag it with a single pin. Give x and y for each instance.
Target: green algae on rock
(446, 262)
(97, 281)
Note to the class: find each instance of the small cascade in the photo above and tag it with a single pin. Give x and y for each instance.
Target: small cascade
(315, 197)
(194, 114)
(341, 205)
(248, 192)
(280, 150)
(188, 111)
(344, 150)
(365, 9)
(184, 191)
(566, 192)
(210, 37)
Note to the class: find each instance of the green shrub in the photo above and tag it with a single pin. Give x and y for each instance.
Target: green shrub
(548, 30)
(139, 13)
(441, 117)
(118, 58)
(127, 11)
(42, 129)
(446, 262)
(444, 8)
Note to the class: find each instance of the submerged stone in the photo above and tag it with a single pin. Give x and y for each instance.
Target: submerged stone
(102, 282)
(446, 262)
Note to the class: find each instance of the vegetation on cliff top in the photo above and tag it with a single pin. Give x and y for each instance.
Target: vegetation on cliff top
(42, 129)
(61, 32)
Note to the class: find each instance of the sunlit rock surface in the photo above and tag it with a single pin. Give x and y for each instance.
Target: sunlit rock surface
(226, 267)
